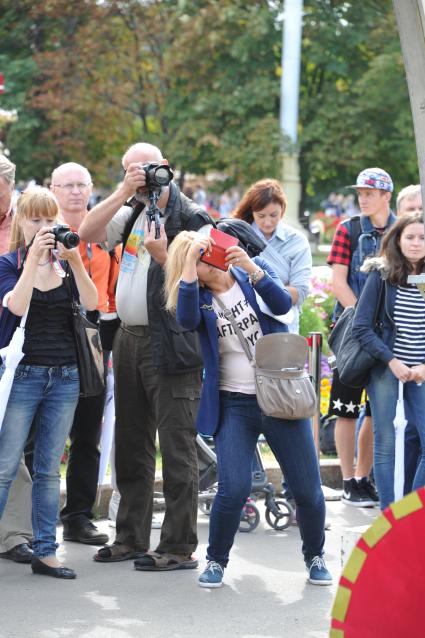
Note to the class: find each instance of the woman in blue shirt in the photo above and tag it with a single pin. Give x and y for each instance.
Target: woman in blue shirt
(228, 409)
(287, 251)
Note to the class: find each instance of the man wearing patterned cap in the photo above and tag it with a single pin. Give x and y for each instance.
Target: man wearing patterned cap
(354, 240)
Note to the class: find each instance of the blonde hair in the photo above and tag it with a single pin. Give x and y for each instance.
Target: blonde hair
(35, 201)
(176, 259)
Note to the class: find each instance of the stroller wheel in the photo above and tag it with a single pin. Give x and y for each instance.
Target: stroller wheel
(205, 506)
(250, 517)
(280, 515)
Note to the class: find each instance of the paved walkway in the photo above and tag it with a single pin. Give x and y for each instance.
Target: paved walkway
(265, 594)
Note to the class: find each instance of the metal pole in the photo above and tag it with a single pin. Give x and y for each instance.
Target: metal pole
(291, 61)
(315, 342)
(289, 99)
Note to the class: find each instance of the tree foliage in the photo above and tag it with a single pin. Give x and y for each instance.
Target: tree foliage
(201, 79)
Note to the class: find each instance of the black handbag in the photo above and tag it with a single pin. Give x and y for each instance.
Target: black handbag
(89, 351)
(353, 362)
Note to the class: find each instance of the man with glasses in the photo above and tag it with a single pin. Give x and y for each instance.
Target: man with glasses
(354, 240)
(72, 186)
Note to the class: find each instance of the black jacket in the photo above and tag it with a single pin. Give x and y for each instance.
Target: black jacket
(175, 349)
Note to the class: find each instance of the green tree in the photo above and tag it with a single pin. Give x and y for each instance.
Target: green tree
(354, 105)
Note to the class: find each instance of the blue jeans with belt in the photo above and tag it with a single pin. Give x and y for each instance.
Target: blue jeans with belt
(241, 422)
(383, 394)
(49, 395)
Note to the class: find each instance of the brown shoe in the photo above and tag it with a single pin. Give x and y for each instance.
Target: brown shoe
(156, 562)
(116, 552)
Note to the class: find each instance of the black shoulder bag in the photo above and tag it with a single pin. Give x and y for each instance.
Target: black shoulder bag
(89, 349)
(352, 361)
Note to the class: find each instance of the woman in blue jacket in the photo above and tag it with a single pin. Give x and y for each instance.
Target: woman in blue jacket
(228, 409)
(398, 344)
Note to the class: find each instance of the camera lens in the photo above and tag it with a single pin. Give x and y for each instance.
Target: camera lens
(71, 240)
(162, 175)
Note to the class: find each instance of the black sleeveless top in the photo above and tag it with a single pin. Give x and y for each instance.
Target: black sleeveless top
(49, 330)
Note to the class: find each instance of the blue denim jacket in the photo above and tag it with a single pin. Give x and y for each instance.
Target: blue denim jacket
(379, 345)
(368, 245)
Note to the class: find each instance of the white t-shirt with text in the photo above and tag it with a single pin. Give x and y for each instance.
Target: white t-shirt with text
(236, 372)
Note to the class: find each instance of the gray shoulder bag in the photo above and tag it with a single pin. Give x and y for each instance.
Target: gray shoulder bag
(283, 387)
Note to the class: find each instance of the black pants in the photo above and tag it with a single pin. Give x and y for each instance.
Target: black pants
(147, 401)
(83, 461)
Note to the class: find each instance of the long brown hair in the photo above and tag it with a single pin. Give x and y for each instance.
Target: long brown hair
(35, 201)
(399, 268)
(257, 197)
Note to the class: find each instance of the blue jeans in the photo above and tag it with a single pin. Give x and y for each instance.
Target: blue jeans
(241, 422)
(48, 395)
(383, 394)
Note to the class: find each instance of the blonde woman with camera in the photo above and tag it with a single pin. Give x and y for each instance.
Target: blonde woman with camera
(229, 411)
(46, 383)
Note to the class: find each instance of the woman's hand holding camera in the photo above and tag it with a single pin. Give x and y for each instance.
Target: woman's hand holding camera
(236, 256)
(200, 246)
(43, 241)
(71, 255)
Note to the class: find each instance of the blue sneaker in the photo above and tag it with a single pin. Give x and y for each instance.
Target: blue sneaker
(317, 572)
(212, 576)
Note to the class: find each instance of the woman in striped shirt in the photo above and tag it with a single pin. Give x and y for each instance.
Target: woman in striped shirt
(397, 342)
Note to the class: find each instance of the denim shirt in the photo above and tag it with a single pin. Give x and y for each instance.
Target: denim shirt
(368, 245)
(288, 253)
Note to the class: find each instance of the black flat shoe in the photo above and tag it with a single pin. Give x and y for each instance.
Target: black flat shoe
(19, 554)
(38, 567)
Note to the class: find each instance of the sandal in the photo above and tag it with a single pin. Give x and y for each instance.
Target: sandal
(156, 562)
(115, 553)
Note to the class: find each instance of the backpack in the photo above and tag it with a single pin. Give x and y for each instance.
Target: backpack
(248, 238)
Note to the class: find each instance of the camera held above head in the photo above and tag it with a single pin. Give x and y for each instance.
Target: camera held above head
(157, 175)
(65, 236)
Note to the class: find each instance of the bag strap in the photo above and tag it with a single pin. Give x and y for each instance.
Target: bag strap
(229, 315)
(379, 304)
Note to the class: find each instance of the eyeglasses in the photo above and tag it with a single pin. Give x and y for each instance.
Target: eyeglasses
(70, 187)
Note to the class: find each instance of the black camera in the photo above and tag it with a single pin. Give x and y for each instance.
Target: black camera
(65, 236)
(157, 175)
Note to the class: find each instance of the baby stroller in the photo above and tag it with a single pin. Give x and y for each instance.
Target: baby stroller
(279, 513)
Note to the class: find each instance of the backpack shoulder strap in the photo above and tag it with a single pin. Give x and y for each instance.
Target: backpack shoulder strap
(355, 230)
(130, 223)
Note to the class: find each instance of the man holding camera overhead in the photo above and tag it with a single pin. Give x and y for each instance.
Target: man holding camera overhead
(157, 364)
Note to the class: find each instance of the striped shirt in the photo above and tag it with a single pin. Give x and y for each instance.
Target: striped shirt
(409, 317)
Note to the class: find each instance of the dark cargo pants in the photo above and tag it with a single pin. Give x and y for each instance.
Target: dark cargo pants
(144, 401)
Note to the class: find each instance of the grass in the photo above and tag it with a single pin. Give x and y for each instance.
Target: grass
(108, 471)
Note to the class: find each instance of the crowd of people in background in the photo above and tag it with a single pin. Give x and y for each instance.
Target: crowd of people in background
(178, 366)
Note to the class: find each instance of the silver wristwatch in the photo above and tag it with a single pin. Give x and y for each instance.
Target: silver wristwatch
(255, 276)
